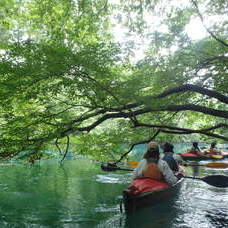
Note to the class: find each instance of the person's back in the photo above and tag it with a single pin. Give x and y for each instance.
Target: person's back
(153, 167)
(173, 160)
(148, 166)
(213, 149)
(152, 170)
(169, 157)
(195, 149)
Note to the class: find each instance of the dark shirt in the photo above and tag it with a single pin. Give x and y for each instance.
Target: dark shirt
(168, 157)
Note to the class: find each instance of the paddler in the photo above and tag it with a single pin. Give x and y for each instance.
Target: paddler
(173, 160)
(195, 149)
(213, 150)
(154, 167)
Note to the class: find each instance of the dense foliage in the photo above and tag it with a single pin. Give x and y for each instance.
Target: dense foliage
(64, 78)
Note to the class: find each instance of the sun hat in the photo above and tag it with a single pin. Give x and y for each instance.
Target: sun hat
(152, 145)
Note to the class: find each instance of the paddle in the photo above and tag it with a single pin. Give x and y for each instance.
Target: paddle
(112, 167)
(132, 163)
(217, 165)
(220, 181)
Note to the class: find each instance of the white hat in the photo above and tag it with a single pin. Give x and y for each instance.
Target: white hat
(152, 145)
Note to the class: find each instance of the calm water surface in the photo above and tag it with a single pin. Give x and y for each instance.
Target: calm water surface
(79, 194)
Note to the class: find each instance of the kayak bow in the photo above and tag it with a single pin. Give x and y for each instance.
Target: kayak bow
(143, 192)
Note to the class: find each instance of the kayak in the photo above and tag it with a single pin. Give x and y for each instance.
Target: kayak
(143, 192)
(196, 157)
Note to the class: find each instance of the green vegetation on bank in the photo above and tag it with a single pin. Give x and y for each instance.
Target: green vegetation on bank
(64, 79)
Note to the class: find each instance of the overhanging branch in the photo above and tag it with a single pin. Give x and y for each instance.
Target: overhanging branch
(194, 88)
(172, 108)
(183, 131)
(208, 30)
(203, 133)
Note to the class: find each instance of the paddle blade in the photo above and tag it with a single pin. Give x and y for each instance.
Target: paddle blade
(216, 156)
(132, 163)
(217, 165)
(108, 167)
(112, 167)
(220, 181)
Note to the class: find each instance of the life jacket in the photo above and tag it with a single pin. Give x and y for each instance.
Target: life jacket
(212, 151)
(168, 157)
(193, 150)
(151, 170)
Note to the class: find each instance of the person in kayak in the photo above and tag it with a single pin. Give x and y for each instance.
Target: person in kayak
(195, 149)
(173, 160)
(154, 167)
(213, 150)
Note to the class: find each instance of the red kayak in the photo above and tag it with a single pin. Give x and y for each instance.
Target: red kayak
(196, 157)
(144, 192)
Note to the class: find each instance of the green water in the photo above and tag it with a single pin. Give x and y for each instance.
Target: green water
(79, 194)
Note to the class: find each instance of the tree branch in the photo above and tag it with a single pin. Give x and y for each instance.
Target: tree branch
(194, 88)
(204, 133)
(180, 129)
(67, 147)
(172, 108)
(138, 143)
(202, 19)
(56, 143)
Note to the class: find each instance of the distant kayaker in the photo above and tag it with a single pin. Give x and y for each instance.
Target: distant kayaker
(173, 160)
(213, 150)
(154, 167)
(195, 149)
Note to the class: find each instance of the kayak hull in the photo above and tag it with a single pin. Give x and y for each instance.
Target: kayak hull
(194, 157)
(134, 202)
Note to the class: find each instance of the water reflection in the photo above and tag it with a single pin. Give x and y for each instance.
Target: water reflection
(218, 217)
(158, 216)
(195, 170)
(80, 194)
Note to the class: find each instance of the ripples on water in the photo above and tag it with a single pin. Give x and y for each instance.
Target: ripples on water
(80, 194)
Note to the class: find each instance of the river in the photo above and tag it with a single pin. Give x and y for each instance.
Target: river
(79, 194)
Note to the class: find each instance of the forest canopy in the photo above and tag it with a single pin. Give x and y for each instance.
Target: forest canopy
(65, 77)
